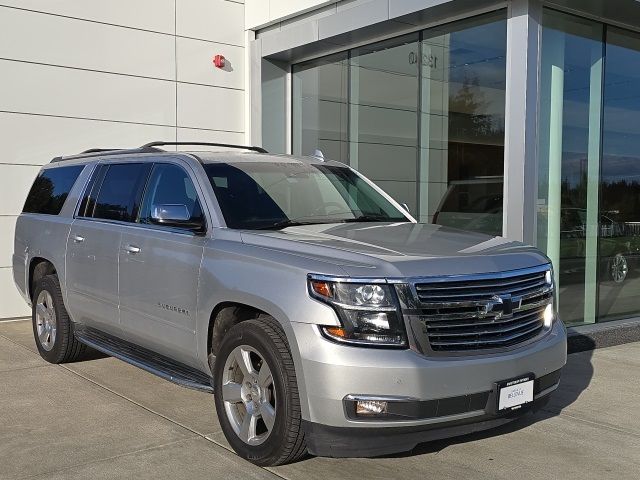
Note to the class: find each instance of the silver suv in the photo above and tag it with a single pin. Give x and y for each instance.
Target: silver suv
(320, 315)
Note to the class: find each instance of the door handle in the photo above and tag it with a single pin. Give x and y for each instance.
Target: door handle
(132, 249)
(78, 239)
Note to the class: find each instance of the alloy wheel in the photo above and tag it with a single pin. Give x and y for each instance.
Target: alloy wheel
(619, 268)
(46, 324)
(249, 395)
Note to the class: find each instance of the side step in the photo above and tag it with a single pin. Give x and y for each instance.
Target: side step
(145, 359)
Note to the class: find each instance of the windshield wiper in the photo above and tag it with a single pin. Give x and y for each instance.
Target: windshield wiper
(374, 218)
(284, 224)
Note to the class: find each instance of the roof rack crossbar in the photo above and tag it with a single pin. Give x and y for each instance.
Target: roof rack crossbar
(206, 144)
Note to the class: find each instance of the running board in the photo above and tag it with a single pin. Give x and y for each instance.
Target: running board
(140, 357)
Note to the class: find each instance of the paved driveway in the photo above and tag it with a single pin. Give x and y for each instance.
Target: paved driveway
(102, 418)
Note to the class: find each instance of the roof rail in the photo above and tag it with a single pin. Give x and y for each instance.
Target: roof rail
(98, 152)
(148, 148)
(206, 144)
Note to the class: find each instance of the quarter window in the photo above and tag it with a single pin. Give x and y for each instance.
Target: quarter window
(121, 190)
(50, 189)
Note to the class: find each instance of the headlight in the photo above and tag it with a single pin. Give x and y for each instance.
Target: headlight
(549, 314)
(369, 312)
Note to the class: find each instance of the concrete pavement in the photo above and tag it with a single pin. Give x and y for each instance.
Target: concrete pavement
(102, 418)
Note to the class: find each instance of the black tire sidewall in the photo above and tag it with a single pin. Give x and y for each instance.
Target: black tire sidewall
(248, 333)
(51, 284)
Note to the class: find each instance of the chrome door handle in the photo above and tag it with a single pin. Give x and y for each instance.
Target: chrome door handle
(78, 239)
(132, 249)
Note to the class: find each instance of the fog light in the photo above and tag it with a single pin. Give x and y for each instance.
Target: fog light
(371, 407)
(548, 315)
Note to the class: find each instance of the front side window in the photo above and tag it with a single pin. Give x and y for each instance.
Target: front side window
(170, 185)
(121, 190)
(259, 195)
(50, 189)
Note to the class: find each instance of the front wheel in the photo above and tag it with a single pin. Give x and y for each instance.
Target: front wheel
(256, 393)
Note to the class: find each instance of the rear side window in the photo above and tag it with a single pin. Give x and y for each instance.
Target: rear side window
(50, 189)
(121, 191)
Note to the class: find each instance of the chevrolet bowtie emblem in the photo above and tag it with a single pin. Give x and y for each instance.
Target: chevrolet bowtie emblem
(499, 306)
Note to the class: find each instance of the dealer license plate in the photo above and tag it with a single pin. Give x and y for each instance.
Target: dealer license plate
(512, 394)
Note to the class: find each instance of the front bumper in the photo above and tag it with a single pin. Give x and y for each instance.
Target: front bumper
(331, 372)
(337, 442)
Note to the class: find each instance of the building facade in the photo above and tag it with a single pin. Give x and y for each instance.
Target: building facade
(518, 118)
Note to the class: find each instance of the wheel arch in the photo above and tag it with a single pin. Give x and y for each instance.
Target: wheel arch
(38, 268)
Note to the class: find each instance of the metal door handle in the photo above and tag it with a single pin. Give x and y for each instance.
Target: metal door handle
(78, 239)
(132, 249)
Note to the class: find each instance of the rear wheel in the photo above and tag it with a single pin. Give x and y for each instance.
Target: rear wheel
(256, 393)
(52, 328)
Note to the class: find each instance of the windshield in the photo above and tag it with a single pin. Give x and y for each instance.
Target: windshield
(263, 195)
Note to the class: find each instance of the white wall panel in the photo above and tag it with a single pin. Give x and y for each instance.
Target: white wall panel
(15, 182)
(81, 44)
(196, 135)
(256, 12)
(77, 93)
(36, 139)
(210, 107)
(215, 20)
(260, 12)
(195, 63)
(7, 227)
(11, 302)
(156, 15)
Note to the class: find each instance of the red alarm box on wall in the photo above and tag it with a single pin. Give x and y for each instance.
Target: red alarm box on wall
(218, 61)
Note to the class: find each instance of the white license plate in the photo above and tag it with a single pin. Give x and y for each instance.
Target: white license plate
(515, 393)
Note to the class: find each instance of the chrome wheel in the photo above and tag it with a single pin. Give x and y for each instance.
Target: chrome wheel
(46, 325)
(619, 268)
(249, 395)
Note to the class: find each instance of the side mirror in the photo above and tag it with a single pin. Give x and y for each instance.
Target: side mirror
(406, 207)
(174, 215)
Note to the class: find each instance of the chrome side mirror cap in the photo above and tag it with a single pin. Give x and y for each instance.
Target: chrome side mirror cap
(175, 215)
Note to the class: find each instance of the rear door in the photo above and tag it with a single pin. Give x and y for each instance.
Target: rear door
(159, 268)
(112, 200)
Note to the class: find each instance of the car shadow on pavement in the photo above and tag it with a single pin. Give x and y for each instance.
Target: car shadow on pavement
(576, 377)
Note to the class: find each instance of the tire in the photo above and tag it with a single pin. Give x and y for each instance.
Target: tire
(52, 327)
(259, 415)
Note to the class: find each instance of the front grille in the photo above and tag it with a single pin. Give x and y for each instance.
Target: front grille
(484, 312)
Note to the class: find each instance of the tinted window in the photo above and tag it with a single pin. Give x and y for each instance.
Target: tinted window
(272, 195)
(170, 185)
(120, 192)
(50, 189)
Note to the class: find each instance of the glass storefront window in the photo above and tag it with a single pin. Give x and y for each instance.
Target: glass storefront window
(619, 233)
(425, 118)
(569, 149)
(383, 109)
(462, 124)
(319, 116)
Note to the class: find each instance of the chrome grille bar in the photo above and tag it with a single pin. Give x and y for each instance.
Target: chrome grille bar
(484, 312)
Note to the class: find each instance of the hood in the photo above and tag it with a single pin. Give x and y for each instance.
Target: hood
(399, 249)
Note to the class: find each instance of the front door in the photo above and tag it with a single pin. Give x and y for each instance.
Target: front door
(159, 268)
